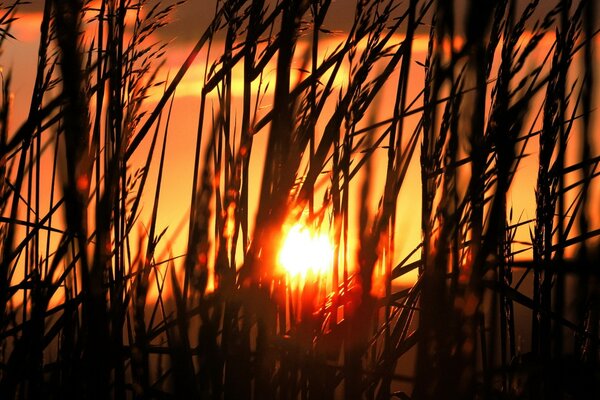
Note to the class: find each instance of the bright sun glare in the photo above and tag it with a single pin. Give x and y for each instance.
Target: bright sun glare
(305, 251)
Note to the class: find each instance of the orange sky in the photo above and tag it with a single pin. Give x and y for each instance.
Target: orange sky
(19, 57)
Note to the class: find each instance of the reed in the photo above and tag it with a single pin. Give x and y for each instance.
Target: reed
(503, 305)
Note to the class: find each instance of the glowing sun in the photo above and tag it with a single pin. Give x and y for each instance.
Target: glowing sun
(305, 251)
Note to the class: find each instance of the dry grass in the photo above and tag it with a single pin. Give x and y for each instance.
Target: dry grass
(480, 321)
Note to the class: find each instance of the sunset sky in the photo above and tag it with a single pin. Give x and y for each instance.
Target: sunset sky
(188, 23)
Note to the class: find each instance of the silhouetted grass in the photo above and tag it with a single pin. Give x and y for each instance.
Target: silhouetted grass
(94, 307)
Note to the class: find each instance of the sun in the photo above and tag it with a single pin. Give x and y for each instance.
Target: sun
(305, 251)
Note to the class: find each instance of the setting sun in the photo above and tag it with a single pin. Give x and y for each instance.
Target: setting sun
(304, 251)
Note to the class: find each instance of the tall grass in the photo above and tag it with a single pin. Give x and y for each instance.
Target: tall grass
(93, 308)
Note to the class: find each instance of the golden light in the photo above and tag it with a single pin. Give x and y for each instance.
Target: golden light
(305, 251)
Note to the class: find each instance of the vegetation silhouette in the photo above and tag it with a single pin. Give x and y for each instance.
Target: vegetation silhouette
(91, 308)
